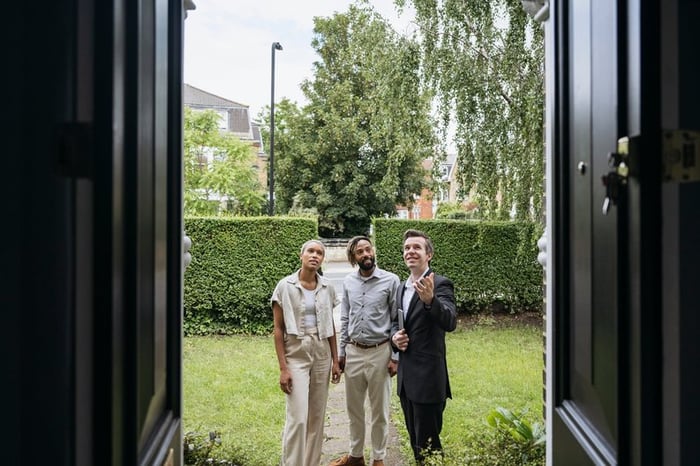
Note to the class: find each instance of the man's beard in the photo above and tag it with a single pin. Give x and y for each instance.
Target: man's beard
(367, 264)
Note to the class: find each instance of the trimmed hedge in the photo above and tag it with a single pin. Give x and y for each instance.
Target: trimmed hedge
(492, 264)
(236, 263)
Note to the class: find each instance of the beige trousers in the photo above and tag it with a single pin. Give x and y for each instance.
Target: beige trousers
(367, 376)
(309, 362)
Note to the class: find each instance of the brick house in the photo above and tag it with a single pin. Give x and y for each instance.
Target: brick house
(425, 205)
(235, 118)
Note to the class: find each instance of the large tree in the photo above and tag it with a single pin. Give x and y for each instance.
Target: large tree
(219, 176)
(288, 140)
(484, 58)
(360, 141)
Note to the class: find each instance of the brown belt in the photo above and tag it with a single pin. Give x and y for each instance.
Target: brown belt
(363, 346)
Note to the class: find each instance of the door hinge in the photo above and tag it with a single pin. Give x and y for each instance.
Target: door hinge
(681, 157)
(74, 151)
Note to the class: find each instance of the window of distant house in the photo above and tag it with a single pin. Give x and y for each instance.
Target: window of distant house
(205, 158)
(402, 213)
(444, 195)
(217, 155)
(223, 120)
(444, 172)
(202, 161)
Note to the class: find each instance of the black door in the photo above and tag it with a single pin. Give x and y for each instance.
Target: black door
(606, 309)
(93, 187)
(138, 232)
(586, 340)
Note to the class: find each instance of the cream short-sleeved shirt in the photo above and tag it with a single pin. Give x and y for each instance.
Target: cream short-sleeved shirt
(290, 296)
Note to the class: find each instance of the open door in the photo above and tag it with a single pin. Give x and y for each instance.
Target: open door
(586, 342)
(605, 337)
(138, 232)
(94, 188)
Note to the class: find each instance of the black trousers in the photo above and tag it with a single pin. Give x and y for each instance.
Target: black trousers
(424, 424)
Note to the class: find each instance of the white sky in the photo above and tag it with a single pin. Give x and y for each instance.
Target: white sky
(228, 45)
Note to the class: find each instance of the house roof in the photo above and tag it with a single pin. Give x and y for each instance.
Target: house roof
(451, 163)
(255, 127)
(238, 121)
(196, 97)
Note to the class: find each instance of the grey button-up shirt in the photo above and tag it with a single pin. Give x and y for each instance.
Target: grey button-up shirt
(368, 307)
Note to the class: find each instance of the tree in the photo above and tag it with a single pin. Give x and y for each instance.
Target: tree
(219, 176)
(358, 145)
(287, 141)
(485, 59)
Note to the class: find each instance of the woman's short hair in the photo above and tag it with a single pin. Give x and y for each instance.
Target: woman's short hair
(306, 245)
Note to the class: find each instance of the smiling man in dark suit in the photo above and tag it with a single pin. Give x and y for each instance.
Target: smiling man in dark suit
(427, 311)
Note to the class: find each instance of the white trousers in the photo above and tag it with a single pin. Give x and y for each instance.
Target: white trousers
(367, 376)
(309, 362)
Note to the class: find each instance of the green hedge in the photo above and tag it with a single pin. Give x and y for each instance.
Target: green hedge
(236, 263)
(490, 263)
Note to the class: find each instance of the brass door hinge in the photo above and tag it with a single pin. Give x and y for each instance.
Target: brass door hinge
(681, 156)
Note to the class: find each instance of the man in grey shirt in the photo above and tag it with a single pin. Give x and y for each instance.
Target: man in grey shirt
(368, 307)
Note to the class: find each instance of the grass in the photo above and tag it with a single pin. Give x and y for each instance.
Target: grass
(231, 386)
(491, 364)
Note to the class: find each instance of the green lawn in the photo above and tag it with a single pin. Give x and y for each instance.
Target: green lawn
(231, 386)
(490, 365)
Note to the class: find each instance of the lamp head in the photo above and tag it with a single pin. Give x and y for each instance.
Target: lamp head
(277, 46)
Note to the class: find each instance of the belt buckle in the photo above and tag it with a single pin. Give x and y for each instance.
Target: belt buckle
(363, 346)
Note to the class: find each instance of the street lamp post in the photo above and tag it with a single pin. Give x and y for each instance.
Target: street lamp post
(271, 204)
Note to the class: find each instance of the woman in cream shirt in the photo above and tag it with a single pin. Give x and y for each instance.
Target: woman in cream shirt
(305, 343)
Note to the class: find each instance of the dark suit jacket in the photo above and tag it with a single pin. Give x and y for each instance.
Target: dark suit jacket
(422, 375)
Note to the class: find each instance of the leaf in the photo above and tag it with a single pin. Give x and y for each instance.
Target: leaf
(485, 62)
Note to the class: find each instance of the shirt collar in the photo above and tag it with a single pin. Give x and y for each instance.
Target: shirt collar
(377, 272)
(294, 279)
(409, 280)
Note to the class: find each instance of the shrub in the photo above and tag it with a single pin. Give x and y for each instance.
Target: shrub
(236, 263)
(197, 449)
(457, 211)
(492, 264)
(517, 441)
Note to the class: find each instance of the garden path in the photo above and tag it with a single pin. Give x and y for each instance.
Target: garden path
(336, 430)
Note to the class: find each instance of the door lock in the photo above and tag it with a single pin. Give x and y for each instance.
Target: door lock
(616, 178)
